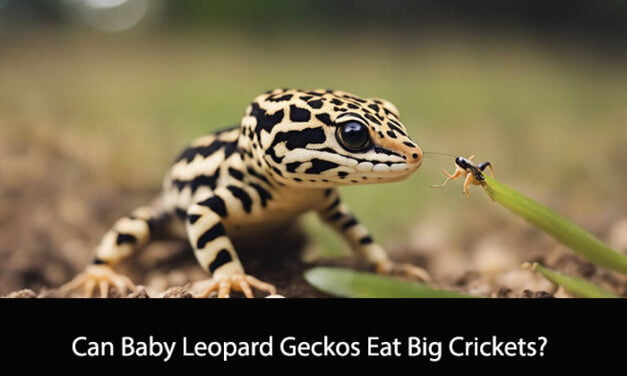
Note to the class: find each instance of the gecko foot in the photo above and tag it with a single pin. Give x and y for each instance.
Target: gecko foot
(237, 282)
(102, 277)
(403, 270)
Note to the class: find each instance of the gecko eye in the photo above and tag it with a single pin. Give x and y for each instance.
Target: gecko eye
(353, 136)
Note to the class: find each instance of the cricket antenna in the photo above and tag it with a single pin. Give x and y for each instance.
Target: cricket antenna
(437, 156)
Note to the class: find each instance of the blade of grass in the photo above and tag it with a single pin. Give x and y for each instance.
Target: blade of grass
(577, 286)
(556, 225)
(352, 284)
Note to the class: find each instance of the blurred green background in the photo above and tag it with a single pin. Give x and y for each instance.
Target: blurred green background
(537, 88)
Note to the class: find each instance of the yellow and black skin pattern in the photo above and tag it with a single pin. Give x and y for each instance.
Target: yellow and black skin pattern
(287, 157)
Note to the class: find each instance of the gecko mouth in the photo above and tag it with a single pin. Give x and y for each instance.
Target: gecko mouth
(382, 167)
(326, 165)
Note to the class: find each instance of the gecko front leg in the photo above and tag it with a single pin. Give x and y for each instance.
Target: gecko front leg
(128, 235)
(215, 252)
(338, 215)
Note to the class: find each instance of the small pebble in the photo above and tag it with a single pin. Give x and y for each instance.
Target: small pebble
(177, 292)
(26, 293)
(140, 293)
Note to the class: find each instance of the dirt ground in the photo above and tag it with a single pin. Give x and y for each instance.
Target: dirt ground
(55, 208)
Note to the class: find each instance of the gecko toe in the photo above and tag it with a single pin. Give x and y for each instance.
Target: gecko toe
(237, 282)
(100, 278)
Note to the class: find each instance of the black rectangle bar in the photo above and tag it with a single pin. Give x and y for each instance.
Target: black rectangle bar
(206, 332)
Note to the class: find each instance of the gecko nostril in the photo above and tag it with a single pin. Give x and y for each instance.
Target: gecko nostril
(415, 155)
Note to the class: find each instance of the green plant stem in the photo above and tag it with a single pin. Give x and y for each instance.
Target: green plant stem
(556, 225)
(575, 286)
(352, 284)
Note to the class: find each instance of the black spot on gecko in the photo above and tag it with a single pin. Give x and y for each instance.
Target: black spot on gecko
(372, 119)
(391, 134)
(396, 128)
(300, 138)
(357, 99)
(190, 153)
(253, 172)
(278, 172)
(337, 102)
(388, 112)
(193, 218)
(282, 98)
(98, 261)
(205, 180)
(305, 97)
(264, 121)
(350, 223)
(223, 257)
(215, 203)
(298, 114)
(410, 144)
(336, 216)
(366, 240)
(242, 196)
(352, 106)
(342, 174)
(125, 238)
(197, 182)
(320, 165)
(395, 122)
(213, 233)
(229, 148)
(237, 174)
(296, 139)
(385, 151)
(325, 119)
(264, 195)
(374, 107)
(291, 167)
(335, 203)
(316, 104)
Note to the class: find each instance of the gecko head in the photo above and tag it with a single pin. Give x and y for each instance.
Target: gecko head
(322, 138)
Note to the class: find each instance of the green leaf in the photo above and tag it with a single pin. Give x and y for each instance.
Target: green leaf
(352, 284)
(576, 286)
(556, 225)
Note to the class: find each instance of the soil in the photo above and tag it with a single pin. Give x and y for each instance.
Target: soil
(54, 208)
